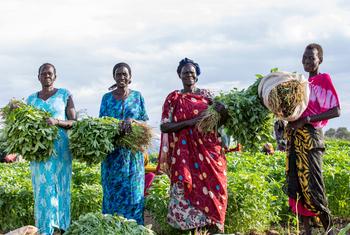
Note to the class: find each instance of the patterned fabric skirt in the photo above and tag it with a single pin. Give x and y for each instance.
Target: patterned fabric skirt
(51, 181)
(304, 171)
(123, 182)
(182, 215)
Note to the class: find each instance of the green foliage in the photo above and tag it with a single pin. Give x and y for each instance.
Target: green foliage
(157, 203)
(92, 139)
(97, 224)
(256, 199)
(255, 190)
(255, 196)
(249, 121)
(336, 172)
(16, 196)
(27, 133)
(16, 193)
(138, 139)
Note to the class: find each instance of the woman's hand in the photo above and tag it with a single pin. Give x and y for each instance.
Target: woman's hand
(52, 121)
(221, 109)
(297, 124)
(125, 126)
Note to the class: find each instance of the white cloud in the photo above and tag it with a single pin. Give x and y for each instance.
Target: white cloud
(232, 41)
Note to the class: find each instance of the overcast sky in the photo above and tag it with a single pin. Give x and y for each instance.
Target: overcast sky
(232, 40)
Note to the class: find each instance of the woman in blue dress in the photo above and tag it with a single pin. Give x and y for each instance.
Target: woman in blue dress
(51, 179)
(123, 172)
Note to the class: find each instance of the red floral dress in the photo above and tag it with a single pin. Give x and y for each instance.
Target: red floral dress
(195, 163)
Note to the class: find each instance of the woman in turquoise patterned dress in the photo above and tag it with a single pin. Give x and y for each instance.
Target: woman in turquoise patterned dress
(123, 172)
(51, 178)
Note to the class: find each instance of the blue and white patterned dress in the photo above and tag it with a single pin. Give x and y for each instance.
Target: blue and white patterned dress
(51, 179)
(122, 172)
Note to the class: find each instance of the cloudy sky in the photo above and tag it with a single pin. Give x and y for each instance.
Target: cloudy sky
(232, 40)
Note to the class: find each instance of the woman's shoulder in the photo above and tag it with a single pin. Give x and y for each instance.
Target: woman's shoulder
(64, 91)
(135, 92)
(206, 93)
(107, 95)
(173, 93)
(32, 96)
(320, 79)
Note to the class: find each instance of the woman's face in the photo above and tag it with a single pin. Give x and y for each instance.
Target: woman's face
(188, 74)
(122, 77)
(47, 76)
(311, 61)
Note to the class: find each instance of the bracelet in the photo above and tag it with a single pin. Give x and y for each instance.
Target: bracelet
(58, 122)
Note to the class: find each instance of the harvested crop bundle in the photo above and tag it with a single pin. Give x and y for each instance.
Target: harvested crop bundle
(249, 122)
(210, 120)
(26, 131)
(97, 223)
(285, 94)
(138, 139)
(92, 139)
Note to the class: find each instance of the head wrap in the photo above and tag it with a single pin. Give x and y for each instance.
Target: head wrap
(185, 61)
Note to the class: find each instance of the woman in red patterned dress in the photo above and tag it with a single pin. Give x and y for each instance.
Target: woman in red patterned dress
(194, 161)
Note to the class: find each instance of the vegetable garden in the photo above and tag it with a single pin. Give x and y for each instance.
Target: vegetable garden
(255, 184)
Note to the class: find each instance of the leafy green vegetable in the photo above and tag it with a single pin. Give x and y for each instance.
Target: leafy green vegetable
(92, 139)
(249, 122)
(97, 223)
(255, 196)
(139, 138)
(27, 133)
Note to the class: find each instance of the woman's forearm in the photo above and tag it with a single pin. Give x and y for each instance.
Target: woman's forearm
(177, 126)
(332, 113)
(65, 123)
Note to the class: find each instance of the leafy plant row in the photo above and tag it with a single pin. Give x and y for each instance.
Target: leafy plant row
(255, 187)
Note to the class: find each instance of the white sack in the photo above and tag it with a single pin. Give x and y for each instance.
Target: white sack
(272, 80)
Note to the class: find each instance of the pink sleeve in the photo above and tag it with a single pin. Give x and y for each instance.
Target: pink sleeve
(327, 96)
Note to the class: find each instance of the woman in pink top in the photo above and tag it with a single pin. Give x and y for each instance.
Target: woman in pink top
(305, 146)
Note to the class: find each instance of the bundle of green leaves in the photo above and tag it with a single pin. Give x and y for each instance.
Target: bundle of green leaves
(249, 121)
(97, 223)
(138, 139)
(92, 139)
(26, 131)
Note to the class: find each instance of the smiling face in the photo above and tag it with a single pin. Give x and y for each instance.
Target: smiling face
(311, 60)
(47, 76)
(122, 77)
(188, 75)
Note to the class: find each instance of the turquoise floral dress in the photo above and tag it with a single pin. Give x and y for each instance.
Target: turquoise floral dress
(51, 179)
(122, 172)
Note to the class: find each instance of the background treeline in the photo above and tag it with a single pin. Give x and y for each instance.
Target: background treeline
(340, 133)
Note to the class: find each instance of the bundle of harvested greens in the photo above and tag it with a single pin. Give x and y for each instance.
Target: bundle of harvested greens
(249, 122)
(285, 94)
(92, 139)
(97, 224)
(26, 131)
(138, 140)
